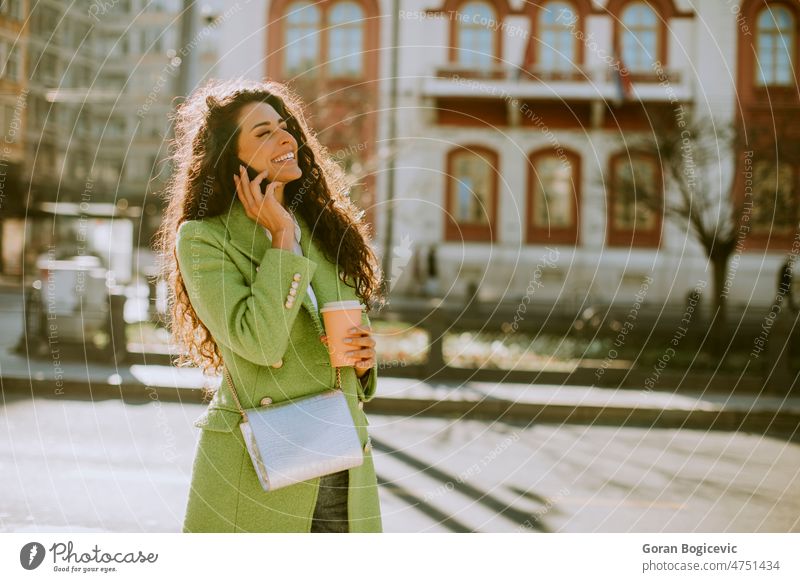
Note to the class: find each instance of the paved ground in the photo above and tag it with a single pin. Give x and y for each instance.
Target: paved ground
(84, 375)
(68, 465)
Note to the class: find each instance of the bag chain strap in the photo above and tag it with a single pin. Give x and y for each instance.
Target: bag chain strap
(338, 385)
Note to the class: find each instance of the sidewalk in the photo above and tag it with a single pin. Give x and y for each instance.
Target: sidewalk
(541, 403)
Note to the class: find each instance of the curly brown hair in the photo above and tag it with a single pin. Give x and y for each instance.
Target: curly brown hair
(203, 155)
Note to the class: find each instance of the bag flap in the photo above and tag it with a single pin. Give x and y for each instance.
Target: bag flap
(218, 419)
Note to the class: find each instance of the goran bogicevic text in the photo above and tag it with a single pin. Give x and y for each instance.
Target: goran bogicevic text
(697, 550)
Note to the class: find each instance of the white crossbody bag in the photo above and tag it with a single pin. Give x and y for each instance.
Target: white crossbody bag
(300, 439)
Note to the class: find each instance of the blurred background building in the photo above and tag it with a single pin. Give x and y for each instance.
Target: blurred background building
(493, 134)
(493, 96)
(93, 83)
(13, 91)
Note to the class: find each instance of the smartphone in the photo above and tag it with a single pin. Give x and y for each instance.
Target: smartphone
(252, 174)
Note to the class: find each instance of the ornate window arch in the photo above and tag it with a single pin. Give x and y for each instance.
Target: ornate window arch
(554, 196)
(302, 37)
(557, 42)
(768, 52)
(767, 61)
(471, 194)
(468, 23)
(558, 48)
(474, 35)
(333, 38)
(633, 178)
(776, 39)
(346, 39)
(634, 27)
(640, 37)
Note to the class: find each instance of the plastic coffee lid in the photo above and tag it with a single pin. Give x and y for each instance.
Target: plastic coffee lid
(337, 305)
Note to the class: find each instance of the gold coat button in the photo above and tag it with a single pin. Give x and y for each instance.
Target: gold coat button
(368, 445)
(296, 276)
(266, 401)
(288, 304)
(360, 405)
(278, 364)
(295, 284)
(292, 292)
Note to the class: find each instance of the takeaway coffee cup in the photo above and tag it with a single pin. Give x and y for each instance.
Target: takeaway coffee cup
(338, 317)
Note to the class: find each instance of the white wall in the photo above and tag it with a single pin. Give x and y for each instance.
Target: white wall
(242, 39)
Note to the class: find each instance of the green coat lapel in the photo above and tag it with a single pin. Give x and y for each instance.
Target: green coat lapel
(249, 238)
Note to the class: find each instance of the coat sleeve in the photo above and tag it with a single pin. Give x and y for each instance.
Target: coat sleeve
(368, 385)
(252, 320)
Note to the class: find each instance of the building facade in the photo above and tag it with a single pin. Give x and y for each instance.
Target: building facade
(514, 125)
(521, 127)
(331, 54)
(95, 82)
(13, 119)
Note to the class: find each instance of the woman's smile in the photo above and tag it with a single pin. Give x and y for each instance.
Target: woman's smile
(289, 158)
(284, 157)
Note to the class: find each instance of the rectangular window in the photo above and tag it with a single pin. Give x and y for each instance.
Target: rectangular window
(5, 51)
(553, 197)
(8, 119)
(14, 67)
(471, 194)
(636, 192)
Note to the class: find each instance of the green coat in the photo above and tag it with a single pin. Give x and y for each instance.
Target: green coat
(238, 287)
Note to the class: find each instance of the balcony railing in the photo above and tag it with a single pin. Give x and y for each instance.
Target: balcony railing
(456, 80)
(450, 70)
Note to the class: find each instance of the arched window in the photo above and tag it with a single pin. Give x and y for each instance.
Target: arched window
(476, 35)
(554, 197)
(639, 37)
(636, 190)
(558, 50)
(473, 189)
(346, 37)
(301, 49)
(775, 45)
(471, 194)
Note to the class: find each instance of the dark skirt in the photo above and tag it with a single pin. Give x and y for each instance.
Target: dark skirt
(330, 512)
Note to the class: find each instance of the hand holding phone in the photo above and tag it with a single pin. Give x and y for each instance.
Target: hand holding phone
(251, 173)
(263, 207)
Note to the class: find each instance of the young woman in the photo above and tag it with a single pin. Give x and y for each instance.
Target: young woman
(259, 233)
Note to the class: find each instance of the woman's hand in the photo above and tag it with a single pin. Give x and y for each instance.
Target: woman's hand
(363, 348)
(263, 208)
